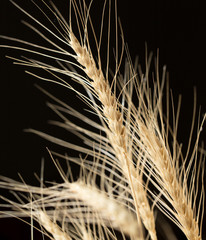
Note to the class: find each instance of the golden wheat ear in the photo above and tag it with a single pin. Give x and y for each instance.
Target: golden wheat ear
(176, 180)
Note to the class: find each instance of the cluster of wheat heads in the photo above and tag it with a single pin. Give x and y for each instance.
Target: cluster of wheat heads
(131, 164)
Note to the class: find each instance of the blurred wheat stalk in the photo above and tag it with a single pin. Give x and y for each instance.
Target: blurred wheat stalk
(131, 167)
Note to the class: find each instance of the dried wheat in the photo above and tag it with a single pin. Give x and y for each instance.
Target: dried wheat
(135, 145)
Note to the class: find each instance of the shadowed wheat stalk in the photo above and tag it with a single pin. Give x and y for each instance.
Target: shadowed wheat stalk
(130, 166)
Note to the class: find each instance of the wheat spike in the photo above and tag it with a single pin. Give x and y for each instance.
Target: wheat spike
(51, 227)
(118, 132)
(119, 216)
(176, 193)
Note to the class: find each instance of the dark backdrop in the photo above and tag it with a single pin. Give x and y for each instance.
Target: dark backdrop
(176, 28)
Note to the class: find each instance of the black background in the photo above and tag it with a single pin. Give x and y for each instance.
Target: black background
(176, 28)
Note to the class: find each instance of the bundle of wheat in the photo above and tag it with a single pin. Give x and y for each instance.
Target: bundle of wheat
(132, 164)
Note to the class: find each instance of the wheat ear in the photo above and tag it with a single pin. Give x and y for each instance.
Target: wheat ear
(171, 181)
(118, 132)
(51, 227)
(118, 215)
(177, 195)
